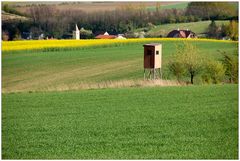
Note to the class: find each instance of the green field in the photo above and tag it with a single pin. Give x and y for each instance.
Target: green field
(181, 5)
(184, 122)
(197, 27)
(193, 122)
(56, 70)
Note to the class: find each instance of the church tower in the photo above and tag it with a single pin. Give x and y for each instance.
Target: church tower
(76, 33)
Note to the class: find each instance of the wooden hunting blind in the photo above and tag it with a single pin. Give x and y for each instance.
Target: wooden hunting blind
(152, 60)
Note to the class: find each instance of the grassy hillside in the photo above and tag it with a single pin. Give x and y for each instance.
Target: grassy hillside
(198, 27)
(13, 17)
(71, 69)
(183, 5)
(194, 122)
(179, 5)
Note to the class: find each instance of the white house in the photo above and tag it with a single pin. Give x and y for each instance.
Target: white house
(120, 36)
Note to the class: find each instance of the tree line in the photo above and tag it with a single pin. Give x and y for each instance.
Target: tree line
(227, 31)
(49, 20)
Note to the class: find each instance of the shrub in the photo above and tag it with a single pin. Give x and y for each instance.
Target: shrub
(214, 72)
(231, 65)
(177, 69)
(5, 36)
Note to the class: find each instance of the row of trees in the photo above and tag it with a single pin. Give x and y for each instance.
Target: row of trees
(51, 21)
(225, 30)
(188, 62)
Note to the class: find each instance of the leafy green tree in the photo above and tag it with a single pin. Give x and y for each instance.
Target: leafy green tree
(86, 34)
(191, 60)
(212, 30)
(5, 8)
(186, 60)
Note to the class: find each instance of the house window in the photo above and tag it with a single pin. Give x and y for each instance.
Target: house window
(157, 52)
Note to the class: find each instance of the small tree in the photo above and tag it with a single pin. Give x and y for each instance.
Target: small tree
(5, 36)
(186, 60)
(213, 30)
(191, 59)
(86, 34)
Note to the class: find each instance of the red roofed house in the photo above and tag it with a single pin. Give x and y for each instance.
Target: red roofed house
(105, 36)
(182, 34)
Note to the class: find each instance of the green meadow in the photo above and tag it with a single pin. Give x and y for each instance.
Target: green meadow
(191, 122)
(45, 70)
(40, 121)
(183, 5)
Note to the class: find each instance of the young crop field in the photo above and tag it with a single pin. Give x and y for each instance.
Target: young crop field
(147, 97)
(78, 68)
(193, 122)
(47, 113)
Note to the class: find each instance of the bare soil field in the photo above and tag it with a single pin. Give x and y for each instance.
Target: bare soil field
(85, 6)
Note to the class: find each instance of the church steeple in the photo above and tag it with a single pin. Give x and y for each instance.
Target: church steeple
(77, 28)
(76, 33)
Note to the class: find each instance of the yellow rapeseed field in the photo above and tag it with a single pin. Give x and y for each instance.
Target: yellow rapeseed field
(44, 44)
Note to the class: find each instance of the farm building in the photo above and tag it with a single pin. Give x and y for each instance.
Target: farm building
(120, 36)
(107, 36)
(182, 34)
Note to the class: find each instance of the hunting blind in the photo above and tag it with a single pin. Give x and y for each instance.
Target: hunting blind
(152, 60)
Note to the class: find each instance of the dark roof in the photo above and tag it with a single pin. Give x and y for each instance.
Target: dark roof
(180, 33)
